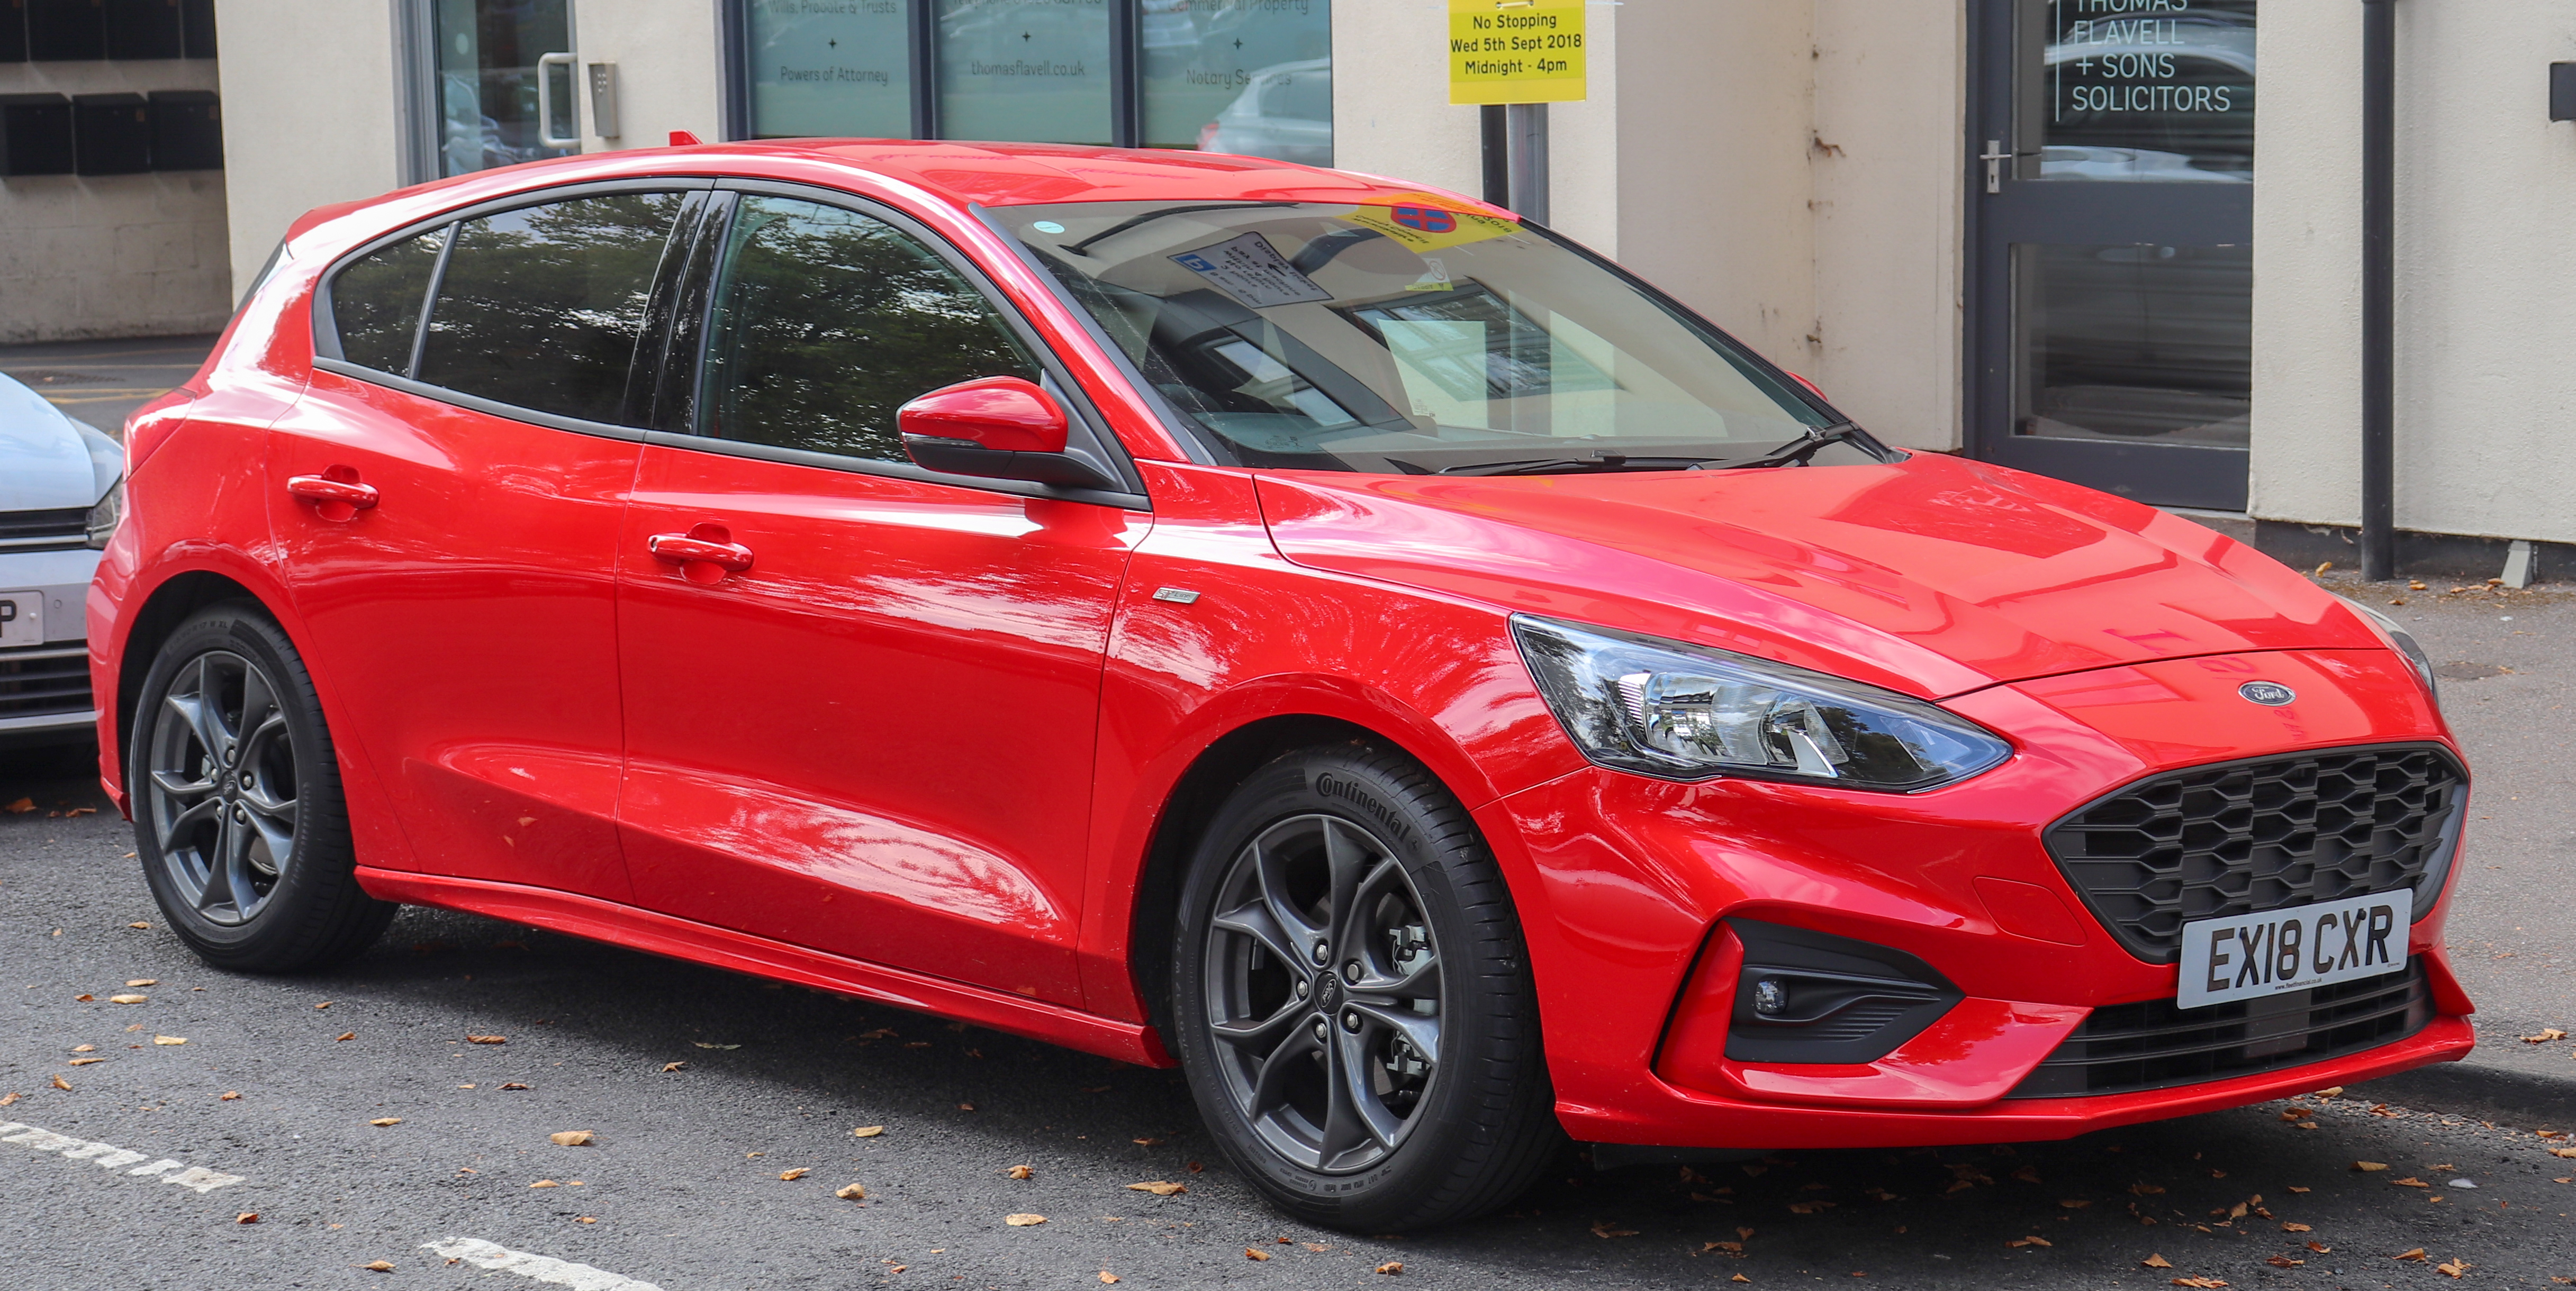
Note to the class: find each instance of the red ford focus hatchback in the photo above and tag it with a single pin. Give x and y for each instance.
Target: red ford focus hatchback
(1336, 638)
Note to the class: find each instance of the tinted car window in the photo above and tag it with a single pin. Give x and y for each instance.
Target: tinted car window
(827, 321)
(541, 307)
(375, 302)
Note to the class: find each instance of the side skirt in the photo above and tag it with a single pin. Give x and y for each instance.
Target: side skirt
(661, 934)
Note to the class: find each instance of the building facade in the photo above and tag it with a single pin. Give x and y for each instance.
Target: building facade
(2116, 241)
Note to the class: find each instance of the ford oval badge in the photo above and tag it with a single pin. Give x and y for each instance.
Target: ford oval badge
(2270, 694)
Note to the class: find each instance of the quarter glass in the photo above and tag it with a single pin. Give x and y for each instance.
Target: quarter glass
(375, 303)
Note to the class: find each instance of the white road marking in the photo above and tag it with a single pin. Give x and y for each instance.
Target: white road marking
(108, 1156)
(580, 1277)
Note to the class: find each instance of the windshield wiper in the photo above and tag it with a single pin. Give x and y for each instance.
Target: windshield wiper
(1584, 466)
(1797, 451)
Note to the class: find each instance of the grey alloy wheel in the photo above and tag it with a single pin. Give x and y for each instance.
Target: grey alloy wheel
(1324, 993)
(221, 796)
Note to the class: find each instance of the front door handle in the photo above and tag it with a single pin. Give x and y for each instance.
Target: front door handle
(708, 547)
(336, 494)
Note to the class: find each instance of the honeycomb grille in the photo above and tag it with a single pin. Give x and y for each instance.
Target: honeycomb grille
(2245, 837)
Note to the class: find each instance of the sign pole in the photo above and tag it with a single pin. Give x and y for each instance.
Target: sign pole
(1523, 55)
(1527, 125)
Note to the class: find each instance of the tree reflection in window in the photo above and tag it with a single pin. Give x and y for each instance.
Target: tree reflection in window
(827, 321)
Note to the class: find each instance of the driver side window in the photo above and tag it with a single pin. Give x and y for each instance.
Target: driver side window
(826, 321)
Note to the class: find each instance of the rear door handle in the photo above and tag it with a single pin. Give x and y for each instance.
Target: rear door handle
(335, 498)
(694, 548)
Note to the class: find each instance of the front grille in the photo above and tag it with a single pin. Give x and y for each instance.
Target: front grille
(38, 530)
(2154, 1045)
(2245, 837)
(34, 683)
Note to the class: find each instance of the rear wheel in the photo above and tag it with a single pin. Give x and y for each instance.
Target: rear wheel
(238, 818)
(1352, 1000)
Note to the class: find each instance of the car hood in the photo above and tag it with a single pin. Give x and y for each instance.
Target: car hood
(1932, 576)
(49, 462)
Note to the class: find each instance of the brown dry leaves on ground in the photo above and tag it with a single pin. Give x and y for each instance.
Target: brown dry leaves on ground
(570, 1138)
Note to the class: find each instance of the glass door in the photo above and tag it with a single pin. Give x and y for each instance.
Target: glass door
(505, 82)
(2111, 226)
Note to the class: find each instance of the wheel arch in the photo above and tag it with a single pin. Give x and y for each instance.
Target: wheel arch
(161, 613)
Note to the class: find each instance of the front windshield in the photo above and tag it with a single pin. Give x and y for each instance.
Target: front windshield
(1406, 339)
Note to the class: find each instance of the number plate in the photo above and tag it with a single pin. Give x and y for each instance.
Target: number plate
(2251, 956)
(22, 619)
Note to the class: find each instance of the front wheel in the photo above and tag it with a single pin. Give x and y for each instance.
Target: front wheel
(1352, 998)
(238, 818)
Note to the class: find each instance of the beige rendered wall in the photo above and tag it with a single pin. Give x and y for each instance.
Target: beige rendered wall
(1787, 167)
(669, 76)
(2486, 276)
(83, 257)
(310, 94)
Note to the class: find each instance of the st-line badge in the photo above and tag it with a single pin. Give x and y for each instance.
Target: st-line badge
(2270, 694)
(2249, 956)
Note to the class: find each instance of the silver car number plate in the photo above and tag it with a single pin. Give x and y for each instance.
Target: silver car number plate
(22, 619)
(2251, 956)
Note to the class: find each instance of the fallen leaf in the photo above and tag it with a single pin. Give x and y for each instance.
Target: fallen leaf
(2546, 1035)
(514, 1085)
(6, 1099)
(1603, 1228)
(704, 1045)
(2409, 1181)
(84, 999)
(345, 1035)
(229, 1096)
(138, 925)
(2320, 1248)
(545, 1183)
(487, 1039)
(83, 1062)
(584, 1219)
(1021, 1172)
(127, 999)
(1158, 1187)
(1023, 1221)
(169, 1039)
(2368, 1167)
(2296, 1114)
(84, 1048)
(247, 1217)
(2454, 1267)
(2284, 1262)
(2416, 1255)
(378, 1266)
(20, 807)
(570, 1138)
(867, 1131)
(1745, 1233)
(792, 1176)
(1107, 1276)
(2203, 1284)
(2296, 1188)
(2074, 1204)
(851, 1192)
(2027, 1174)
(2296, 1228)
(2146, 1189)
(965, 1107)
(145, 981)
(1739, 1278)
(2562, 1152)
(1731, 1248)
(1393, 1267)
(386, 1120)
(1807, 1207)
(1150, 1143)
(2032, 1240)
(2157, 1262)
(1255, 1253)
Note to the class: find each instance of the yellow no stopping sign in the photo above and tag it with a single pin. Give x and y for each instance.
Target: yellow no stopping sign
(1516, 51)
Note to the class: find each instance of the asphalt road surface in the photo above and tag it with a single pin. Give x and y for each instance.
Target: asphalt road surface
(137, 1174)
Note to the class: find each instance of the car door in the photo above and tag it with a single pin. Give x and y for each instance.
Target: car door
(446, 498)
(875, 738)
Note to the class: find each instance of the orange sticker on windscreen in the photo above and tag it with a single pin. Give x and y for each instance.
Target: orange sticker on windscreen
(1423, 222)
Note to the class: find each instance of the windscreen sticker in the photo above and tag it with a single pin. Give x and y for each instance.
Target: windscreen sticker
(1422, 222)
(1252, 271)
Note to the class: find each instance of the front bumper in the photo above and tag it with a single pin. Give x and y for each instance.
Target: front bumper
(44, 689)
(1623, 879)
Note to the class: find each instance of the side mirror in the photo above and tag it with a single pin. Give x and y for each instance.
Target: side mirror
(1001, 428)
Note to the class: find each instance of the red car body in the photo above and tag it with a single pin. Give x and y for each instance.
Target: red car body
(797, 772)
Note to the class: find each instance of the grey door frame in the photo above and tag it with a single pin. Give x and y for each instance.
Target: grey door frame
(2025, 211)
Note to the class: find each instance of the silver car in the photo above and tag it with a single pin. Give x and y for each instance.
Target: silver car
(62, 488)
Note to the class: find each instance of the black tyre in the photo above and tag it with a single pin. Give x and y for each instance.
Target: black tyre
(1351, 998)
(238, 818)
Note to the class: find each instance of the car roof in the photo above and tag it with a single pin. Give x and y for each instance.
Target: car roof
(989, 174)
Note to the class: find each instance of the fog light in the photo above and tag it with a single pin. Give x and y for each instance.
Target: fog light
(1769, 996)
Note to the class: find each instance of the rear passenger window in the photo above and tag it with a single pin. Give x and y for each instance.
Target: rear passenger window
(375, 302)
(827, 321)
(542, 307)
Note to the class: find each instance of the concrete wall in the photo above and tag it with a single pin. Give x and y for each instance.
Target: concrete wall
(310, 112)
(668, 75)
(2486, 394)
(111, 255)
(1787, 167)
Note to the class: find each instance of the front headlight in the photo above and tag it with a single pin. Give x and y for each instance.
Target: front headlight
(103, 517)
(1688, 712)
(2405, 643)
